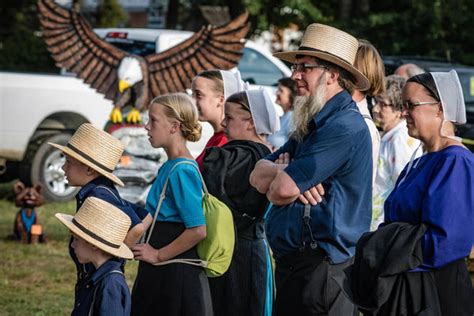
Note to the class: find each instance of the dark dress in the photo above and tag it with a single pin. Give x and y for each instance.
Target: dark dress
(182, 287)
(247, 287)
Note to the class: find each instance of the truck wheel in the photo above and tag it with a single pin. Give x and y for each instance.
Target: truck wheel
(46, 169)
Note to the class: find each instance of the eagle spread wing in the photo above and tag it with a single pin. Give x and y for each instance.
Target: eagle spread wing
(74, 46)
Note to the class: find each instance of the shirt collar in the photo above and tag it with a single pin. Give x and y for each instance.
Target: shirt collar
(400, 126)
(338, 102)
(110, 265)
(85, 190)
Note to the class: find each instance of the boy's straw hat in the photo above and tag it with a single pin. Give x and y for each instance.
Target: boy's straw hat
(100, 224)
(95, 148)
(332, 45)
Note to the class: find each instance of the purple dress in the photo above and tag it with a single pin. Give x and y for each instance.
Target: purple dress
(438, 191)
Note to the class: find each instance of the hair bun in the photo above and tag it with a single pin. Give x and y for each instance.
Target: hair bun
(192, 133)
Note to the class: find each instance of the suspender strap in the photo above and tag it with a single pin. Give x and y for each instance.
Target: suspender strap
(91, 309)
(307, 224)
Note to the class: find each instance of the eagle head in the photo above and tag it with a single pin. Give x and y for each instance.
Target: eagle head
(129, 73)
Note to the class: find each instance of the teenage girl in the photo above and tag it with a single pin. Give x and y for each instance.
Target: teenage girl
(176, 288)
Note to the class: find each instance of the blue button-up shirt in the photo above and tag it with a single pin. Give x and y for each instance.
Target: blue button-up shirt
(112, 296)
(337, 152)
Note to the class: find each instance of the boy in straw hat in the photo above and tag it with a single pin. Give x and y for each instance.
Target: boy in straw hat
(98, 230)
(313, 233)
(91, 156)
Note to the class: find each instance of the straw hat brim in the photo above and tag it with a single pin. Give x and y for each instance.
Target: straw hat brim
(362, 82)
(123, 251)
(88, 163)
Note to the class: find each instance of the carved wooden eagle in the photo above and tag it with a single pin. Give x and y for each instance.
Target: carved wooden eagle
(130, 79)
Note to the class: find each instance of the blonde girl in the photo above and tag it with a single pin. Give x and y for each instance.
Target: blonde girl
(173, 289)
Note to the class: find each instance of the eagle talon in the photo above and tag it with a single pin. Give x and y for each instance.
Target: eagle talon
(116, 115)
(134, 117)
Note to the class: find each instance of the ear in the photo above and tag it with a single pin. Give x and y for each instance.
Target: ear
(90, 171)
(38, 188)
(221, 101)
(175, 127)
(333, 77)
(251, 125)
(18, 187)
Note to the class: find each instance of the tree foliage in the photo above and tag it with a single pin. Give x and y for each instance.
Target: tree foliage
(21, 47)
(436, 28)
(110, 14)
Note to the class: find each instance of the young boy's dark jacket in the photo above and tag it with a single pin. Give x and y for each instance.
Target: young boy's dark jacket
(105, 292)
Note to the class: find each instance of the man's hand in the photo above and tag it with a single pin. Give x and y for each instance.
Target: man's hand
(283, 159)
(313, 196)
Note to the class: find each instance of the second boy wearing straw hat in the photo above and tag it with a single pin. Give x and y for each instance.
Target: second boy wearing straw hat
(91, 156)
(98, 231)
(313, 239)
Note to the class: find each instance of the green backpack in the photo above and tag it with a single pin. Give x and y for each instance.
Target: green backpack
(217, 248)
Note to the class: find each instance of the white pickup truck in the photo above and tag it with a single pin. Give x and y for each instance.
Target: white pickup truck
(36, 109)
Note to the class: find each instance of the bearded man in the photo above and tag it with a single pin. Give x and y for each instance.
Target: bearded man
(320, 181)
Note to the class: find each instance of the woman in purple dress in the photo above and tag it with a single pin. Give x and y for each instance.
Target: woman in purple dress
(437, 189)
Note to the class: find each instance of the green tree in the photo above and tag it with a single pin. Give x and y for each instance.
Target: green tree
(21, 45)
(110, 14)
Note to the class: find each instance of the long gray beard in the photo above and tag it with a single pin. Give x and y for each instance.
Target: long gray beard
(306, 107)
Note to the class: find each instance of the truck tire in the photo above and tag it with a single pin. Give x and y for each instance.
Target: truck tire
(45, 167)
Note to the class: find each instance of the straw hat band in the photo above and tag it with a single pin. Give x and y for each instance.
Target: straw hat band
(304, 48)
(91, 234)
(102, 225)
(96, 149)
(88, 158)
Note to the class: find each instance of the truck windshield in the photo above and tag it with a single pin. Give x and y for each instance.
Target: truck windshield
(134, 47)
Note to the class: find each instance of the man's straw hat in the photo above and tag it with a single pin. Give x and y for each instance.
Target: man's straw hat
(95, 148)
(100, 224)
(332, 45)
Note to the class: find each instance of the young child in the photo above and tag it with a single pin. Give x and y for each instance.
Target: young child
(91, 156)
(98, 230)
(210, 90)
(176, 288)
(247, 287)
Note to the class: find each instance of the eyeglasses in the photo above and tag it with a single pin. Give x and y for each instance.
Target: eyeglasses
(382, 103)
(407, 105)
(304, 68)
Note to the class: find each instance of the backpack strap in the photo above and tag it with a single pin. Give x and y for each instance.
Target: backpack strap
(195, 262)
(91, 309)
(163, 194)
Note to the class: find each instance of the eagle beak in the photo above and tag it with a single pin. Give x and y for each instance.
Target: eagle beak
(123, 85)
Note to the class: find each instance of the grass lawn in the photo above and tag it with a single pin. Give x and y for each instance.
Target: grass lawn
(38, 279)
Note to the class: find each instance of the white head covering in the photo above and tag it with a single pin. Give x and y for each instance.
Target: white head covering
(452, 98)
(263, 112)
(232, 82)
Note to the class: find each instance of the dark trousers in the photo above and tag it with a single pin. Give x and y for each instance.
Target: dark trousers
(305, 286)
